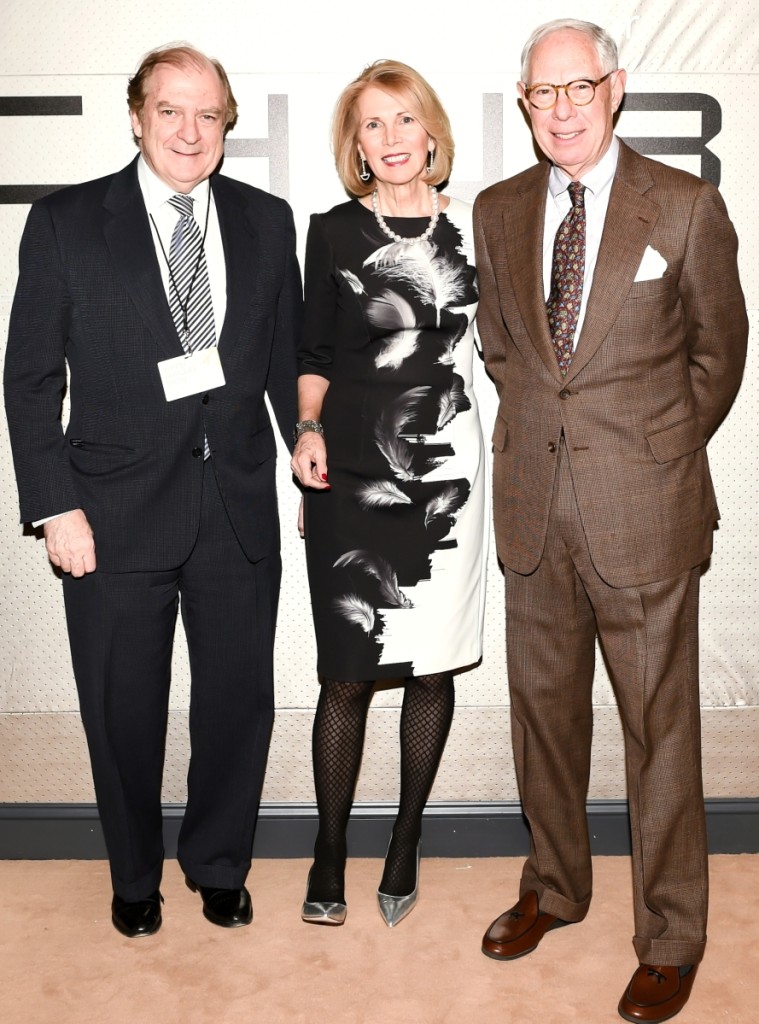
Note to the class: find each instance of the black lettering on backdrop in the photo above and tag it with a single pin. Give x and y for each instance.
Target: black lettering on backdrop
(35, 106)
(275, 147)
(492, 148)
(680, 145)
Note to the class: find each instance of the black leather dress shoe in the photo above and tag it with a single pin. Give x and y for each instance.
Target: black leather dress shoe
(229, 908)
(139, 917)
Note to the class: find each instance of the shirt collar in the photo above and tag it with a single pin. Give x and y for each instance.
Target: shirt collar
(596, 179)
(156, 192)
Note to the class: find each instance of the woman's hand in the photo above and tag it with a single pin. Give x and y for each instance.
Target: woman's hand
(309, 461)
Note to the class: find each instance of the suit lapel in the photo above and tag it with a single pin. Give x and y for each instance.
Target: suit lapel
(240, 241)
(630, 221)
(523, 225)
(130, 242)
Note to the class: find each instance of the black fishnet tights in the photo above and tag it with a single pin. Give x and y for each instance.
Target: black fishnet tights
(338, 741)
(425, 722)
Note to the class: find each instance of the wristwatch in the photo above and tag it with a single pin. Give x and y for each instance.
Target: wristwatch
(303, 426)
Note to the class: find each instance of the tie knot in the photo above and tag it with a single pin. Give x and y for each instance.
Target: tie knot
(184, 204)
(577, 193)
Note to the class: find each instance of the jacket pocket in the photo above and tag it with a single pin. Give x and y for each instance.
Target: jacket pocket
(263, 444)
(652, 286)
(679, 439)
(500, 433)
(99, 446)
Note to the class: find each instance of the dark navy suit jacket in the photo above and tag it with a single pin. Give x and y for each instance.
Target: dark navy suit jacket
(90, 294)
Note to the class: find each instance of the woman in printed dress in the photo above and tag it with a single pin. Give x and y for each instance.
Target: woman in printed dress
(390, 452)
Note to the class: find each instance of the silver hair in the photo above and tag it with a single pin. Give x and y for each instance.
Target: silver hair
(603, 42)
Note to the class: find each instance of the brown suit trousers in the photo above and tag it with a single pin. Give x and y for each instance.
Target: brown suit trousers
(649, 637)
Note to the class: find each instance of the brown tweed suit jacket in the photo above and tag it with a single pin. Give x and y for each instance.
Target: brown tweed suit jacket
(656, 368)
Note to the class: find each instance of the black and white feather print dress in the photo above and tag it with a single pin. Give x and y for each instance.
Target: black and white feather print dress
(396, 549)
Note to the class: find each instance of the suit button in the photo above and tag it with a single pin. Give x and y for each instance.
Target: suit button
(204, 399)
(197, 452)
(552, 446)
(565, 393)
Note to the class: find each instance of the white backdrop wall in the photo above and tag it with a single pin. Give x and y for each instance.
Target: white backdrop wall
(691, 100)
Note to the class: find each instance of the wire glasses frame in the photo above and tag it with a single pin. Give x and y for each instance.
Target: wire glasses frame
(581, 92)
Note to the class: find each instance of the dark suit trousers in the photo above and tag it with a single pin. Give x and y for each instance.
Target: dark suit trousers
(649, 636)
(121, 630)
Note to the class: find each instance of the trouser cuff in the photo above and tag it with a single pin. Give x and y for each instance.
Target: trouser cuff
(668, 952)
(551, 902)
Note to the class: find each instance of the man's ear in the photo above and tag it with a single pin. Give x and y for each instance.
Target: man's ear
(136, 124)
(523, 97)
(618, 89)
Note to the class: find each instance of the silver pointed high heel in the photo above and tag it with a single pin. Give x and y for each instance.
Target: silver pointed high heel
(395, 908)
(330, 913)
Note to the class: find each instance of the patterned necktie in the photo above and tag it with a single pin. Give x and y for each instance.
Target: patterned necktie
(189, 290)
(567, 272)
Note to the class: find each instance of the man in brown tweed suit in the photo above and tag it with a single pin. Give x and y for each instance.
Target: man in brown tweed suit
(604, 507)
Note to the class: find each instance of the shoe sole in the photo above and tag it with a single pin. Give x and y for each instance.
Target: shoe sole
(328, 921)
(136, 935)
(224, 922)
(654, 1020)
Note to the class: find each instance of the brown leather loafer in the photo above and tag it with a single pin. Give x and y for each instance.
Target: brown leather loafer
(519, 930)
(656, 993)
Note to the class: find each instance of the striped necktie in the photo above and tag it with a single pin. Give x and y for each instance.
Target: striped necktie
(189, 290)
(567, 274)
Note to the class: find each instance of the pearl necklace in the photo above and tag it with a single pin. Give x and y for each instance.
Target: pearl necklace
(399, 238)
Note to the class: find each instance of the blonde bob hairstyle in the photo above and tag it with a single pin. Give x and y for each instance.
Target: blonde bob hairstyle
(421, 100)
(183, 57)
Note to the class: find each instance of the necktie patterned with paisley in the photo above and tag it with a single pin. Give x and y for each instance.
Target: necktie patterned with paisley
(567, 273)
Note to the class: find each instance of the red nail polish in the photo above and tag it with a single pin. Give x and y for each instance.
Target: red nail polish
(324, 476)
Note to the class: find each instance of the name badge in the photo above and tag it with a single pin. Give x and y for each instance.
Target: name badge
(191, 374)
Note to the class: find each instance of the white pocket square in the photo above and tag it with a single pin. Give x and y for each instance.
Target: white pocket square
(652, 265)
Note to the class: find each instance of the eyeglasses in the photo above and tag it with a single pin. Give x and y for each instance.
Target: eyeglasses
(543, 95)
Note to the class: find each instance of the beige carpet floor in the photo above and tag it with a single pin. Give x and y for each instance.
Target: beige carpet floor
(61, 961)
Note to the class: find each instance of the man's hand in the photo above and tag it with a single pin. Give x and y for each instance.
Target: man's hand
(309, 461)
(70, 543)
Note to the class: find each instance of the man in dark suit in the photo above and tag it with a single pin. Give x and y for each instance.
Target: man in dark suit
(614, 327)
(173, 294)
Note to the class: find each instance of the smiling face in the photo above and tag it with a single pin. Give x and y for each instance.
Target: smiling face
(180, 129)
(390, 138)
(574, 138)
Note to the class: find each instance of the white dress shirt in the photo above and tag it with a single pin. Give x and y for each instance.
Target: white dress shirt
(597, 184)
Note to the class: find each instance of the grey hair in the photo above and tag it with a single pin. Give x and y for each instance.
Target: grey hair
(603, 42)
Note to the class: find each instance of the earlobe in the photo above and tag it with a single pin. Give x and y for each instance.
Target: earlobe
(522, 96)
